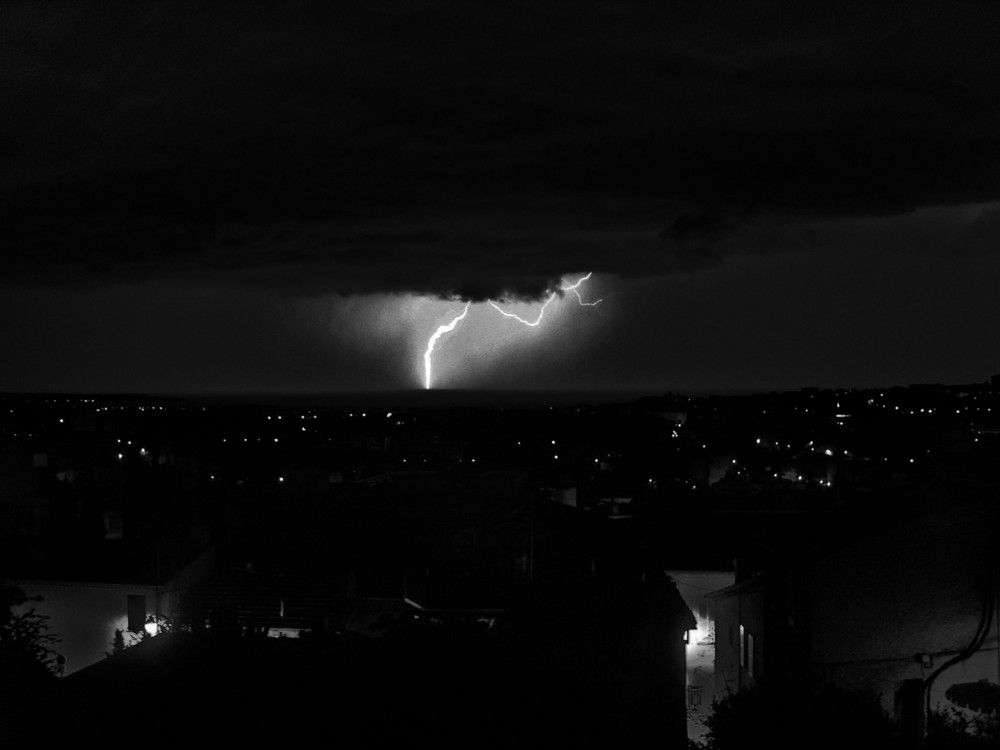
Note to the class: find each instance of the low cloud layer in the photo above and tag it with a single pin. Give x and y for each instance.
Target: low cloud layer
(452, 149)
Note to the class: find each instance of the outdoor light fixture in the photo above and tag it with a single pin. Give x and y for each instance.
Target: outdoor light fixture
(151, 627)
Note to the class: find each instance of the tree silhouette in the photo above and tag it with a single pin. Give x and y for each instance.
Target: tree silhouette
(29, 695)
(24, 635)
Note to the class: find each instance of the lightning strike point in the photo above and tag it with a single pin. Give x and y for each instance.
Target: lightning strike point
(441, 331)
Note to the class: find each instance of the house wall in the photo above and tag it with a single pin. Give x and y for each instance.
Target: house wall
(751, 617)
(84, 616)
(647, 673)
(877, 603)
(727, 663)
(194, 573)
(732, 672)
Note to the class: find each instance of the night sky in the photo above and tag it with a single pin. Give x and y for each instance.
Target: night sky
(292, 197)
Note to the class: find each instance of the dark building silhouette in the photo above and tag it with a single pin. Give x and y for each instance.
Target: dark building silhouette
(903, 607)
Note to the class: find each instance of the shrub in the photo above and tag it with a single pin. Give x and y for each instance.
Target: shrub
(956, 730)
(806, 718)
(24, 635)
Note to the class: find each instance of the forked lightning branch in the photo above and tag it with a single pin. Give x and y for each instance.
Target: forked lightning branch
(453, 323)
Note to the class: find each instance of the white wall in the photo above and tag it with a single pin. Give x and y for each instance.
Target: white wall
(878, 602)
(85, 615)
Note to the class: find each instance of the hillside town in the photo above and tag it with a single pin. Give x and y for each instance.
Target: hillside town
(646, 558)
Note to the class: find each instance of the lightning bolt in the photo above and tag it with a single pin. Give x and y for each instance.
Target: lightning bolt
(441, 331)
(575, 288)
(518, 318)
(448, 327)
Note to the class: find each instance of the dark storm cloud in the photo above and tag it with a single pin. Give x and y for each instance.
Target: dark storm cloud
(460, 148)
